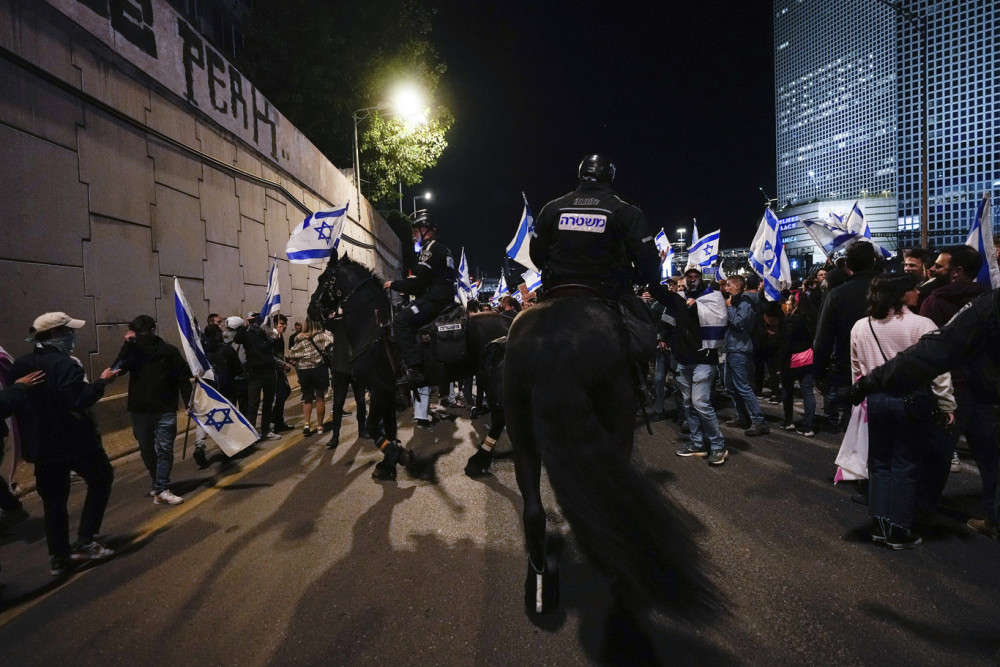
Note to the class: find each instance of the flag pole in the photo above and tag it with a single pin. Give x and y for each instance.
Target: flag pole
(187, 429)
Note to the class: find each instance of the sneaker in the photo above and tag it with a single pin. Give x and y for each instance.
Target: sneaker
(165, 497)
(691, 450)
(738, 423)
(985, 527)
(956, 463)
(809, 433)
(271, 435)
(880, 530)
(94, 550)
(281, 428)
(757, 429)
(427, 423)
(306, 432)
(58, 565)
(718, 456)
(774, 400)
(788, 426)
(901, 538)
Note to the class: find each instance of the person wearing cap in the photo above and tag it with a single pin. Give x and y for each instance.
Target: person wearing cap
(231, 326)
(59, 435)
(158, 373)
(433, 289)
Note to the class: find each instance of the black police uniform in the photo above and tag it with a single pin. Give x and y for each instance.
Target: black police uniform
(591, 236)
(433, 285)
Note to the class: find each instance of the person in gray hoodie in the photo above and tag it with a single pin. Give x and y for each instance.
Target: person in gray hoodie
(743, 319)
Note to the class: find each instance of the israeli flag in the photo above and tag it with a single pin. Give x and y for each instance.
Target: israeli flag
(474, 294)
(532, 280)
(661, 241)
(517, 249)
(720, 274)
(464, 286)
(501, 290)
(981, 238)
(858, 228)
(694, 231)
(221, 420)
(830, 236)
(272, 300)
(190, 332)
(705, 251)
(316, 238)
(768, 257)
(667, 267)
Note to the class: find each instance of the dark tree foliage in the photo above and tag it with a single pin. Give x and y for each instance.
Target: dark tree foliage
(318, 61)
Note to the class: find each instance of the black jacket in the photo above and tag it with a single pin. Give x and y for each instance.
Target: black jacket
(157, 373)
(970, 342)
(843, 306)
(257, 346)
(435, 275)
(55, 418)
(226, 366)
(591, 236)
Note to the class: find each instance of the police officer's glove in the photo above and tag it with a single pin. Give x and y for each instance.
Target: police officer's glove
(857, 392)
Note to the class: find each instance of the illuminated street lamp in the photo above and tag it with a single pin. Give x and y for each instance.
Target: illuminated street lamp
(426, 195)
(407, 103)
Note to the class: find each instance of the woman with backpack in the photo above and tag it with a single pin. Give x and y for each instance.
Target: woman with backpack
(307, 355)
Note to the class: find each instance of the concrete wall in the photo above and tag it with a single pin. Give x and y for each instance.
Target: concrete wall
(113, 184)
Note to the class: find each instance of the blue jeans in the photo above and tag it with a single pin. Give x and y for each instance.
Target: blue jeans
(895, 446)
(155, 433)
(695, 381)
(739, 371)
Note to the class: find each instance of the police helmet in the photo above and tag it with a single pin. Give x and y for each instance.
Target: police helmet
(422, 220)
(597, 168)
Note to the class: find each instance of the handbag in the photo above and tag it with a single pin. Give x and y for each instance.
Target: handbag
(326, 353)
(800, 359)
(920, 404)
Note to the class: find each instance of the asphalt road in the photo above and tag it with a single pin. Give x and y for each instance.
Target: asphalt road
(291, 554)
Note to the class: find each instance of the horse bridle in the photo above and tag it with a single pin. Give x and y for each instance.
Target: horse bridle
(343, 299)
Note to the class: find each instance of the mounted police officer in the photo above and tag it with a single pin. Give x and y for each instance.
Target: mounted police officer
(433, 285)
(592, 237)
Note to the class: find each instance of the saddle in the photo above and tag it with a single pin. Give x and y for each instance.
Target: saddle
(444, 339)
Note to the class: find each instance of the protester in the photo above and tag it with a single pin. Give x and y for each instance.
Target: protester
(699, 313)
(59, 435)
(261, 371)
(158, 373)
(796, 362)
(12, 510)
(240, 382)
(742, 322)
(844, 305)
(895, 439)
(314, 375)
(226, 367)
(282, 390)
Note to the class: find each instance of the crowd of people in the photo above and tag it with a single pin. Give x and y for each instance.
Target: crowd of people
(845, 319)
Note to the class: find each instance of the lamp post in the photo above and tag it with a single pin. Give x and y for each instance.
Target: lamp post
(919, 20)
(680, 236)
(427, 195)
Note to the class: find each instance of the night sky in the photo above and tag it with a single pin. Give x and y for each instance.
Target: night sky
(680, 94)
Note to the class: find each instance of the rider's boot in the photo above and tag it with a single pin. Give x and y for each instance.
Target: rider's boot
(385, 470)
(541, 587)
(413, 379)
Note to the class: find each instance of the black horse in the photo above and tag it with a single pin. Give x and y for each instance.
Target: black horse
(353, 289)
(569, 401)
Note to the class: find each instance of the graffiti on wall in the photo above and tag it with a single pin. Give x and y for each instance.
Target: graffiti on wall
(155, 38)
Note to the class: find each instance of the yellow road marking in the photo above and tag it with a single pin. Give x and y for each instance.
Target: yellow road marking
(160, 522)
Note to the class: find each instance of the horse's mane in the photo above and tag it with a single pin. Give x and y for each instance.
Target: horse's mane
(358, 266)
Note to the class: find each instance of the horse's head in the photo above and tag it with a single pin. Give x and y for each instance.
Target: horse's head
(338, 284)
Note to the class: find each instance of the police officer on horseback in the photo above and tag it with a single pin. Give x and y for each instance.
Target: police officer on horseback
(433, 285)
(592, 237)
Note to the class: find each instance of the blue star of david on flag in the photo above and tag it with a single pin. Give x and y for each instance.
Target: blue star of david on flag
(323, 231)
(212, 420)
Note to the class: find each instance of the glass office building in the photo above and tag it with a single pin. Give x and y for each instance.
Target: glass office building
(849, 117)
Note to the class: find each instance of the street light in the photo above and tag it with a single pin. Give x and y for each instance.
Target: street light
(407, 103)
(426, 195)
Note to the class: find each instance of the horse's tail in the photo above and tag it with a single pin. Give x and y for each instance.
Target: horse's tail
(620, 519)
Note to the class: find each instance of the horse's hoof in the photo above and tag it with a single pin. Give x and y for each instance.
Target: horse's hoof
(479, 463)
(384, 472)
(541, 589)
